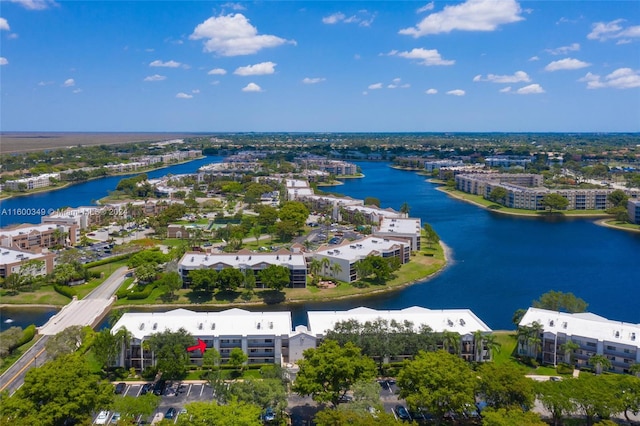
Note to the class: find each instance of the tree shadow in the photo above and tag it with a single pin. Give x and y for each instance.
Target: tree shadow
(196, 296)
(226, 295)
(495, 207)
(272, 297)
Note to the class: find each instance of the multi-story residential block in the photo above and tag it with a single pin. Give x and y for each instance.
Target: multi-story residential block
(368, 214)
(346, 255)
(591, 334)
(633, 207)
(297, 189)
(508, 161)
(29, 237)
(334, 167)
(461, 321)
(246, 260)
(14, 261)
(268, 337)
(409, 228)
(33, 182)
(431, 165)
(323, 203)
(83, 217)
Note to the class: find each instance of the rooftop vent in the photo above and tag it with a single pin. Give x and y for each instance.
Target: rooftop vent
(617, 334)
(141, 327)
(551, 323)
(155, 325)
(462, 322)
(564, 324)
(213, 325)
(258, 326)
(633, 336)
(270, 324)
(200, 325)
(237, 257)
(450, 323)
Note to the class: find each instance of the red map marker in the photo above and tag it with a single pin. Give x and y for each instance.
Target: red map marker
(202, 346)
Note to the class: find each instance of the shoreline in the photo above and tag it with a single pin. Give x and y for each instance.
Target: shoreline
(68, 184)
(447, 252)
(603, 222)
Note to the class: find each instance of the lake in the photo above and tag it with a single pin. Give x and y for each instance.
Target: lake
(499, 263)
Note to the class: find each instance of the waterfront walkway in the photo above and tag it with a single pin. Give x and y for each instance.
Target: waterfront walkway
(88, 311)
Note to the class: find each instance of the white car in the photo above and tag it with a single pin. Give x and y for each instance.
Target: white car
(102, 418)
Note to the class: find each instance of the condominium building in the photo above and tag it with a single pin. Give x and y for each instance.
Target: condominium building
(21, 261)
(461, 321)
(591, 334)
(297, 189)
(33, 182)
(83, 217)
(633, 207)
(334, 167)
(369, 214)
(508, 161)
(343, 258)
(246, 260)
(330, 203)
(409, 228)
(268, 337)
(29, 237)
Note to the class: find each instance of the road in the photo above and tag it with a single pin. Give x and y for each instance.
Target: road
(87, 311)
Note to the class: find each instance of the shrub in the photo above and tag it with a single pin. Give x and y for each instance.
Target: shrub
(108, 260)
(64, 290)
(563, 368)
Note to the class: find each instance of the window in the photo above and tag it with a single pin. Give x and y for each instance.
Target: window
(611, 348)
(591, 344)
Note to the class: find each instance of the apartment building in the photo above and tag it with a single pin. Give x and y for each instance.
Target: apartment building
(508, 161)
(633, 207)
(297, 189)
(14, 261)
(408, 228)
(346, 255)
(461, 321)
(591, 333)
(369, 214)
(323, 203)
(246, 260)
(334, 167)
(30, 237)
(262, 336)
(33, 182)
(268, 337)
(83, 217)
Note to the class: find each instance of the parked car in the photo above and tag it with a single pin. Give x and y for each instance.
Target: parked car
(102, 418)
(269, 415)
(120, 387)
(115, 417)
(146, 388)
(402, 413)
(170, 414)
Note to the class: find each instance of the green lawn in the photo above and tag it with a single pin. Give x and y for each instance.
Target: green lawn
(45, 295)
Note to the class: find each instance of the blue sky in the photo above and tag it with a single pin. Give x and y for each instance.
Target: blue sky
(478, 65)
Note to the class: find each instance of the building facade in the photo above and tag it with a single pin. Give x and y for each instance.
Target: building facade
(30, 237)
(21, 261)
(633, 207)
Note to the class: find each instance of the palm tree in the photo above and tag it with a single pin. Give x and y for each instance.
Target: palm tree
(314, 269)
(405, 209)
(600, 362)
(451, 342)
(478, 340)
(492, 344)
(635, 369)
(335, 269)
(569, 347)
(325, 263)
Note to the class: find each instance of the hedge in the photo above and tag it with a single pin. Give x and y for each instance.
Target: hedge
(136, 295)
(564, 368)
(108, 260)
(64, 290)
(27, 335)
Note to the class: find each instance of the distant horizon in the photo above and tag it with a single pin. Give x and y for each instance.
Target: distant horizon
(455, 66)
(302, 132)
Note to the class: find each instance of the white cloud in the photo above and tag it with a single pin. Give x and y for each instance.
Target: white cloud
(252, 87)
(534, 58)
(396, 84)
(168, 64)
(427, 7)
(4, 25)
(622, 78)
(3, 61)
(195, 91)
(77, 91)
(375, 86)
(45, 83)
(262, 68)
(517, 77)
(566, 64)
(334, 18)
(363, 18)
(35, 4)
(472, 15)
(427, 57)
(608, 30)
(69, 82)
(183, 95)
(313, 80)
(431, 91)
(13, 36)
(505, 90)
(155, 77)
(563, 50)
(233, 35)
(456, 92)
(234, 6)
(532, 89)
(217, 71)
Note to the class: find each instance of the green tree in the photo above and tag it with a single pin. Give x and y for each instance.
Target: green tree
(372, 201)
(105, 348)
(263, 393)
(211, 359)
(233, 413)
(62, 391)
(9, 339)
(230, 279)
(249, 282)
(405, 208)
(329, 371)
(347, 416)
(67, 341)
(170, 350)
(559, 301)
(498, 194)
(599, 362)
(431, 236)
(438, 382)
(504, 386)
(294, 211)
(146, 272)
(554, 201)
(131, 407)
(267, 215)
(237, 358)
(510, 417)
(595, 396)
(170, 282)
(275, 277)
(556, 398)
(203, 279)
(618, 198)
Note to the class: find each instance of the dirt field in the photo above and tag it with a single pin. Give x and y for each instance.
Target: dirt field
(11, 142)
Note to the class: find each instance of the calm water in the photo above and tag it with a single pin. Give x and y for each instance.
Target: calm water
(500, 263)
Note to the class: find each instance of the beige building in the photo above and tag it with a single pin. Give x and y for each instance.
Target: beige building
(14, 261)
(29, 237)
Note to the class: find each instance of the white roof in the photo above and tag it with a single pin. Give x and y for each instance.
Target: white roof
(585, 325)
(462, 321)
(374, 210)
(400, 225)
(21, 230)
(296, 183)
(232, 322)
(194, 260)
(8, 256)
(339, 200)
(73, 212)
(359, 249)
